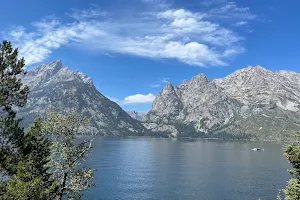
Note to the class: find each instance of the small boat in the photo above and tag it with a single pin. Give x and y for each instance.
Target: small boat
(257, 149)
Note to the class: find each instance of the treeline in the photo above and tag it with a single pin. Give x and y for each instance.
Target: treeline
(44, 162)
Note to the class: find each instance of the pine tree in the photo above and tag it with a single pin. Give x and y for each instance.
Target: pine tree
(12, 93)
(292, 153)
(23, 156)
(32, 179)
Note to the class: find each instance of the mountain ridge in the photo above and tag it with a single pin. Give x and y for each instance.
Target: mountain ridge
(54, 87)
(249, 103)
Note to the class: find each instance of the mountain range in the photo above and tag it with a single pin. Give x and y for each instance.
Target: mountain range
(251, 103)
(54, 87)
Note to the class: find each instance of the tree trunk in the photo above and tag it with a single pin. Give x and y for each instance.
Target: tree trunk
(62, 188)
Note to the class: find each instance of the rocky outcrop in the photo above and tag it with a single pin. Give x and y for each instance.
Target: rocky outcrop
(250, 103)
(140, 116)
(54, 87)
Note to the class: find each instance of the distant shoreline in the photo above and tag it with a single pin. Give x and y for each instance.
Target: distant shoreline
(189, 138)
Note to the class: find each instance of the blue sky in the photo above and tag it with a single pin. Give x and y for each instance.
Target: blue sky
(131, 48)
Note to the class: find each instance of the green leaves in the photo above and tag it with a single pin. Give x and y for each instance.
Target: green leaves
(24, 186)
(23, 156)
(292, 153)
(68, 153)
(38, 168)
(29, 175)
(12, 91)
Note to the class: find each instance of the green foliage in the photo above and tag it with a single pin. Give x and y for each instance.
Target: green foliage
(23, 156)
(29, 174)
(37, 168)
(26, 186)
(67, 152)
(10, 141)
(292, 153)
(12, 91)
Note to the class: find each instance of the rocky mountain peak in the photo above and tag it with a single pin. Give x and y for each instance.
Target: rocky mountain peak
(196, 81)
(57, 88)
(290, 75)
(249, 71)
(54, 72)
(252, 101)
(140, 116)
(199, 79)
(255, 68)
(47, 68)
(248, 77)
(166, 102)
(168, 86)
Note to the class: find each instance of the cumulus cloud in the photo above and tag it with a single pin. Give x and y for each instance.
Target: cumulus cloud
(139, 98)
(134, 99)
(189, 37)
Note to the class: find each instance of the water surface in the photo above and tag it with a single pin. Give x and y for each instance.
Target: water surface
(171, 169)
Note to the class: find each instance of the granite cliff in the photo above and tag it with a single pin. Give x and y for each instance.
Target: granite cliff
(250, 103)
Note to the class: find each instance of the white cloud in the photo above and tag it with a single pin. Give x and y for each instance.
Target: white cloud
(51, 35)
(139, 98)
(134, 99)
(230, 11)
(241, 23)
(93, 12)
(190, 37)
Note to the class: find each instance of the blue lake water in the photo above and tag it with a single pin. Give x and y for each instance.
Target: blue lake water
(171, 169)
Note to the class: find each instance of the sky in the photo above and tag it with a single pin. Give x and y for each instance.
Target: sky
(132, 48)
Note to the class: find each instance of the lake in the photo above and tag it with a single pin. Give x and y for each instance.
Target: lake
(171, 169)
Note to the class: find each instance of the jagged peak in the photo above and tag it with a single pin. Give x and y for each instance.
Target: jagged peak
(45, 68)
(254, 68)
(249, 71)
(200, 78)
(55, 71)
(56, 64)
(84, 77)
(168, 86)
(286, 72)
(289, 75)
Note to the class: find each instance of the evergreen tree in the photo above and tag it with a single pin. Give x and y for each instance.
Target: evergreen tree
(37, 168)
(12, 93)
(23, 156)
(32, 179)
(292, 153)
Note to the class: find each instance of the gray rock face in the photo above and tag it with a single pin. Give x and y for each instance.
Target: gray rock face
(140, 116)
(166, 105)
(54, 87)
(250, 103)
